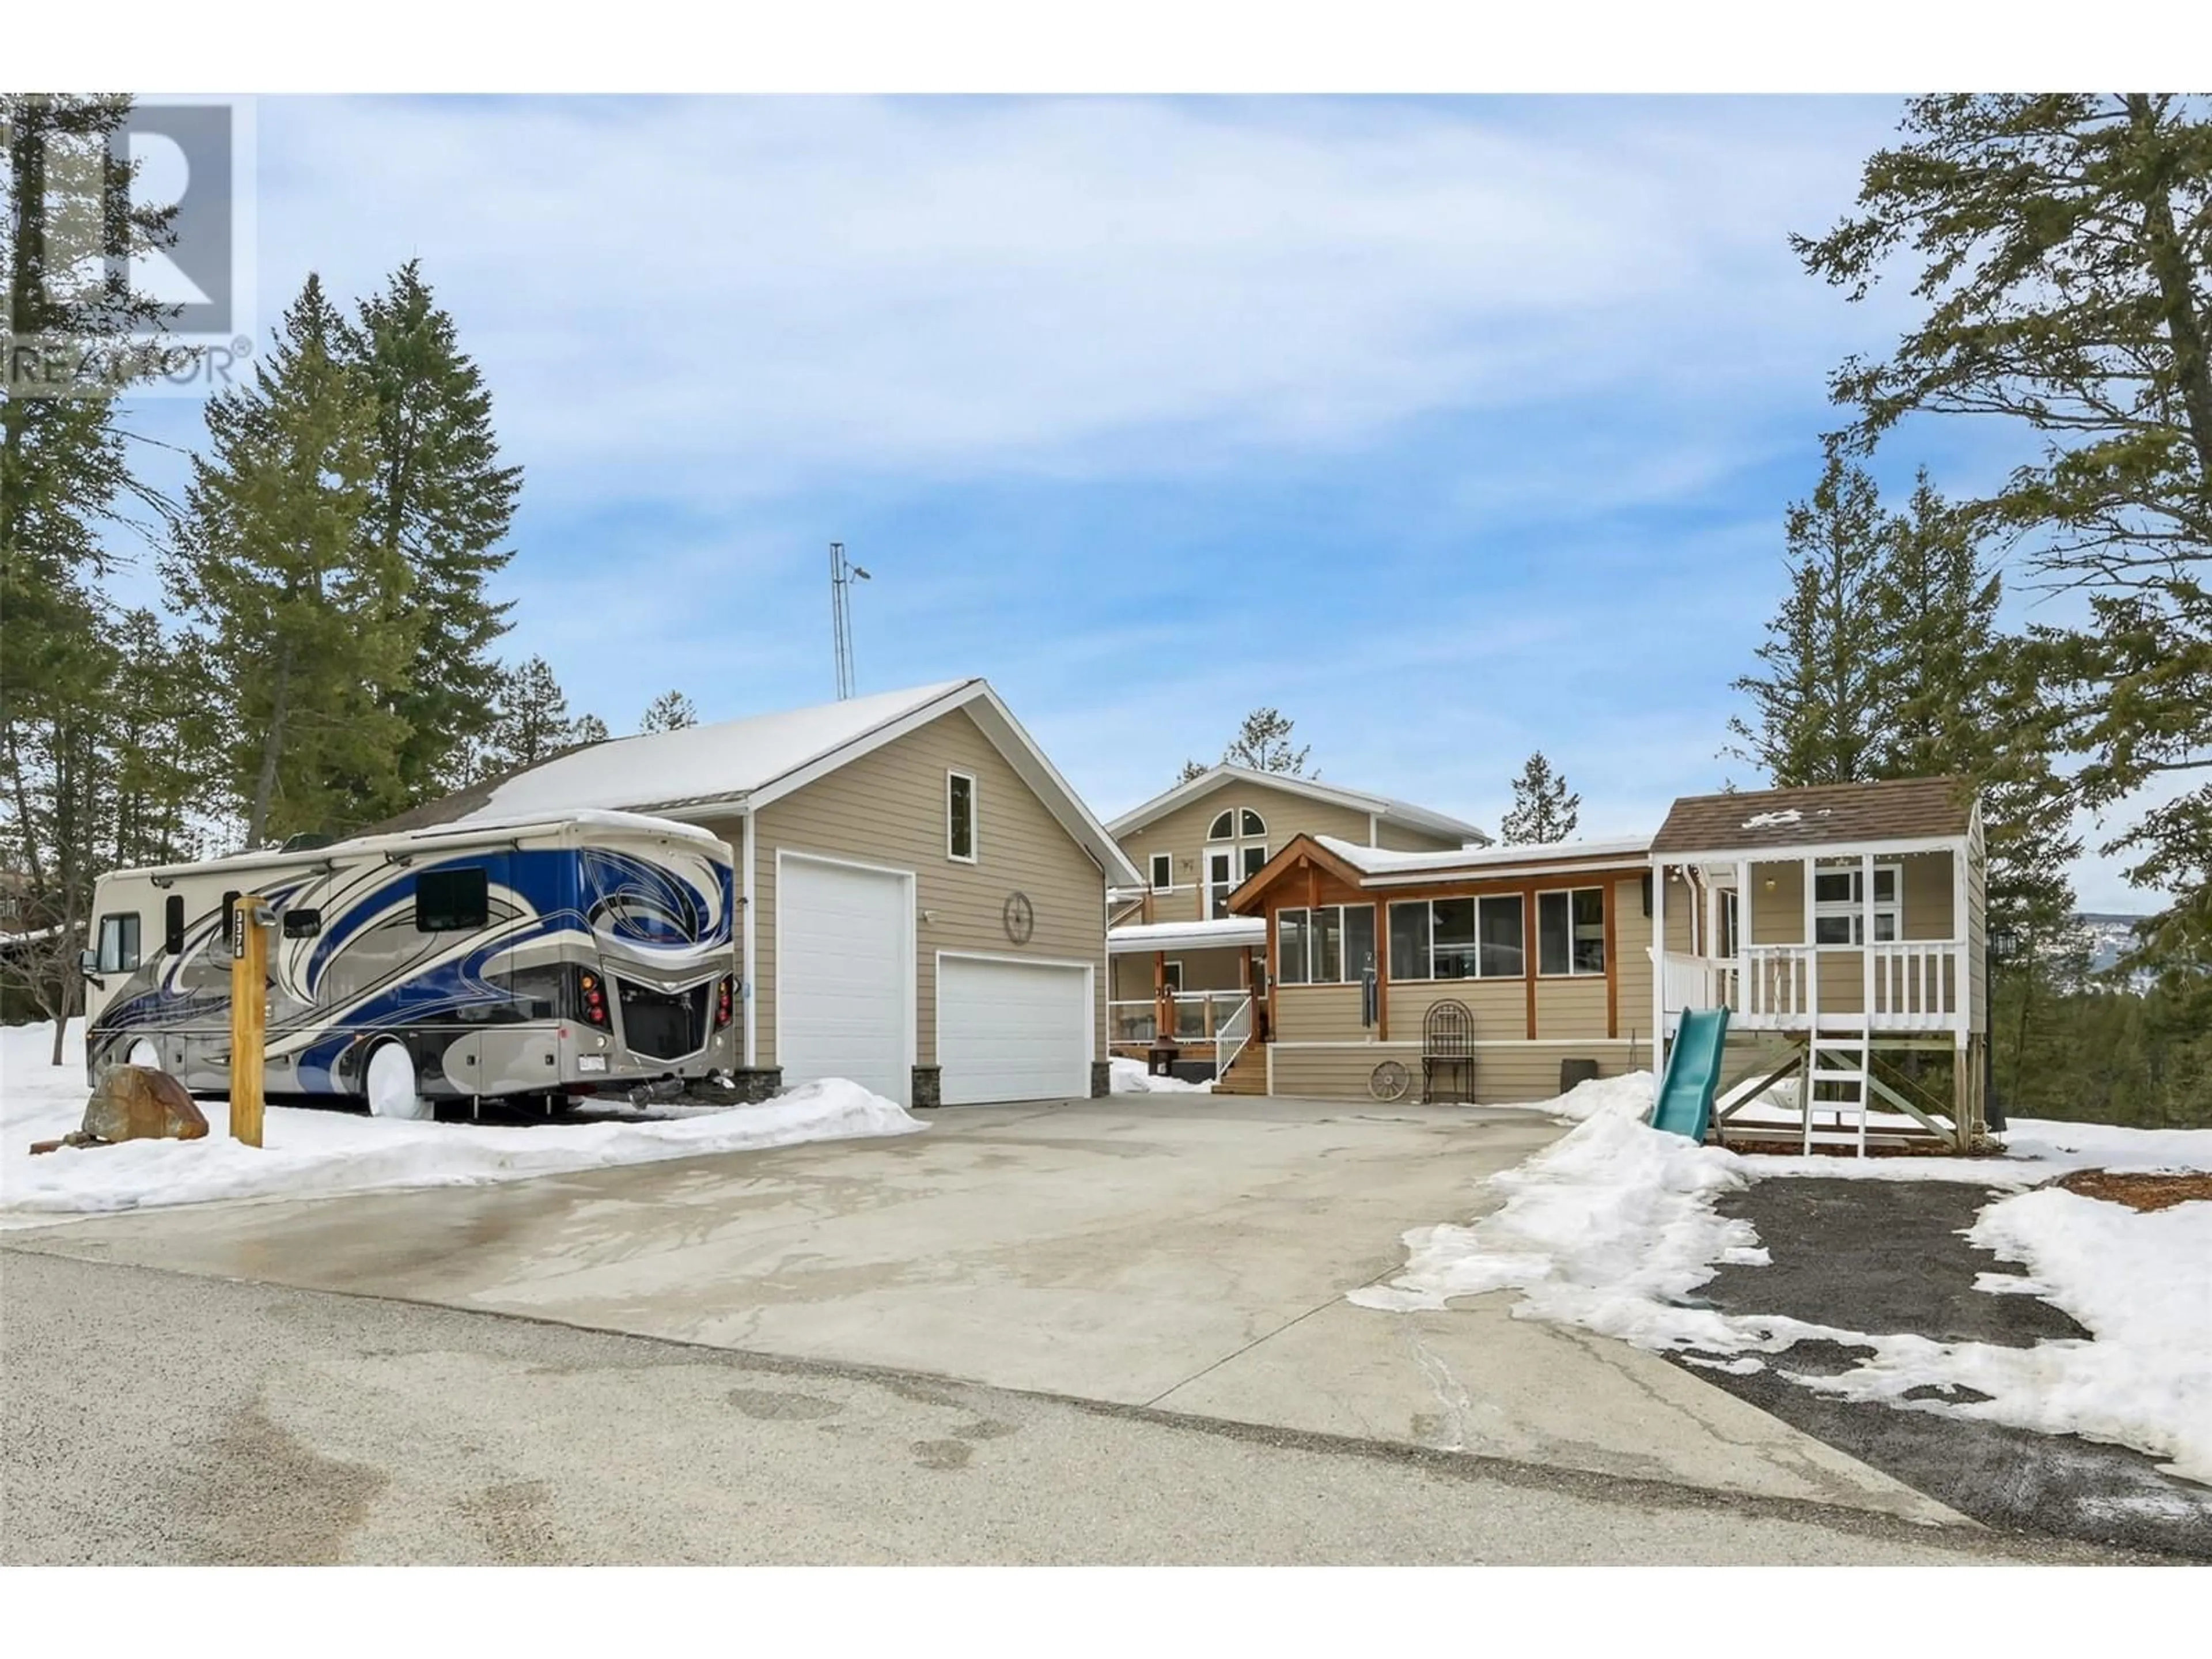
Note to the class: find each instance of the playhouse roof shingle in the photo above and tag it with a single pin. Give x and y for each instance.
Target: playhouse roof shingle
(1901, 809)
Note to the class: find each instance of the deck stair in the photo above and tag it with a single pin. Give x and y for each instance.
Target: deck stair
(1246, 1073)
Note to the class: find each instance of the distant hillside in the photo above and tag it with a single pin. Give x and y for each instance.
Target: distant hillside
(2108, 936)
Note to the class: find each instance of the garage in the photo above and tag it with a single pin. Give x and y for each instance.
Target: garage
(844, 974)
(1012, 1030)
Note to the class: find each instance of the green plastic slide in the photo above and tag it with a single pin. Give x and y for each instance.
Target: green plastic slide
(1685, 1106)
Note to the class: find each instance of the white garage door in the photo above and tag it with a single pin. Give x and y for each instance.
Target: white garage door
(844, 975)
(1011, 1031)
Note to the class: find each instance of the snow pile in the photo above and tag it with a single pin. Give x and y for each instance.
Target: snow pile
(1612, 1227)
(1130, 1078)
(312, 1151)
(1605, 1229)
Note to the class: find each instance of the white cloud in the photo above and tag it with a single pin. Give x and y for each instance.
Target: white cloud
(721, 300)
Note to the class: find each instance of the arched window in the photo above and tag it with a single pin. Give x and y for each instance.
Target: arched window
(1221, 830)
(1254, 823)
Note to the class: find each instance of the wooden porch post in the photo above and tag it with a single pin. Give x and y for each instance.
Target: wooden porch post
(1162, 1012)
(1381, 967)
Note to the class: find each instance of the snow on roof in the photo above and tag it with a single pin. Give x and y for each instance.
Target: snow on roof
(1376, 861)
(1769, 820)
(737, 766)
(1187, 935)
(1386, 807)
(701, 763)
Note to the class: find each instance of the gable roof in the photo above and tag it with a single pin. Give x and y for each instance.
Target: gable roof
(1899, 808)
(1359, 800)
(742, 765)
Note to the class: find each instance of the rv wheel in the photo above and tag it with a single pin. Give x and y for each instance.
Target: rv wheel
(389, 1085)
(143, 1052)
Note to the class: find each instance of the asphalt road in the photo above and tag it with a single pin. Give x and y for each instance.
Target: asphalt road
(1888, 1256)
(153, 1417)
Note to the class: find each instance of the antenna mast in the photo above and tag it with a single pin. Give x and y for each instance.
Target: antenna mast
(843, 572)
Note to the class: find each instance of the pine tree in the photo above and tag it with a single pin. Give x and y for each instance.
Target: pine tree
(1262, 743)
(531, 720)
(300, 616)
(672, 711)
(440, 501)
(1542, 808)
(1816, 710)
(2060, 247)
(65, 471)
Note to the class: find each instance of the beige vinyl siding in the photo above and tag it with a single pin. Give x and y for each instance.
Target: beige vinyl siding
(1403, 838)
(1927, 897)
(1182, 833)
(1319, 1013)
(1631, 939)
(1570, 1007)
(1500, 1007)
(1508, 1074)
(1681, 903)
(1778, 911)
(888, 808)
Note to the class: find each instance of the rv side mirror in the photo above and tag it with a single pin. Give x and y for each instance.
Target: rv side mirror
(302, 924)
(88, 962)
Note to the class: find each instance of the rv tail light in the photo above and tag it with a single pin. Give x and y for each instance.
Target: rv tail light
(592, 998)
(724, 1002)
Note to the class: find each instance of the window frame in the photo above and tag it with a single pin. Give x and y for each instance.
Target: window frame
(1152, 872)
(1172, 976)
(1474, 946)
(974, 854)
(1310, 932)
(137, 932)
(1224, 827)
(1251, 825)
(1852, 910)
(1572, 970)
(1242, 866)
(481, 872)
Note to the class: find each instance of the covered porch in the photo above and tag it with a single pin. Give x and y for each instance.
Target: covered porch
(1182, 995)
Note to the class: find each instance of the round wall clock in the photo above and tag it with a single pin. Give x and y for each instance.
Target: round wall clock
(1019, 917)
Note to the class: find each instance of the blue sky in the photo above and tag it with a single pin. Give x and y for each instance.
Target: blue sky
(1453, 428)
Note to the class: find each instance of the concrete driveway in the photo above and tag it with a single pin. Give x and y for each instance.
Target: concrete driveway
(1188, 1254)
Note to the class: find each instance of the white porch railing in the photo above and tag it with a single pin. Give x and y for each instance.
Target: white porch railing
(1918, 985)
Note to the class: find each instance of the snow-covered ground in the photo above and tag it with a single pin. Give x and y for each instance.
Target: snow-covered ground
(1611, 1226)
(1130, 1078)
(312, 1153)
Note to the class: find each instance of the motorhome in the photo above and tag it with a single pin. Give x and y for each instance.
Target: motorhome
(581, 953)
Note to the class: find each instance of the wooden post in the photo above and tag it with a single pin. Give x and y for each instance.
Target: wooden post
(249, 1016)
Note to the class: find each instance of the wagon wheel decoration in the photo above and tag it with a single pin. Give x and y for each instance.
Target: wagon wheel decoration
(1019, 917)
(1390, 1081)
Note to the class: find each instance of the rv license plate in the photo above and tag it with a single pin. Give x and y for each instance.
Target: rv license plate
(591, 1062)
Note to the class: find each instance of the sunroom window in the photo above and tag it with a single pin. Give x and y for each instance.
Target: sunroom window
(1332, 945)
(1570, 932)
(1457, 938)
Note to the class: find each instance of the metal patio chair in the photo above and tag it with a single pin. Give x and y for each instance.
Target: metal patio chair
(1448, 1055)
